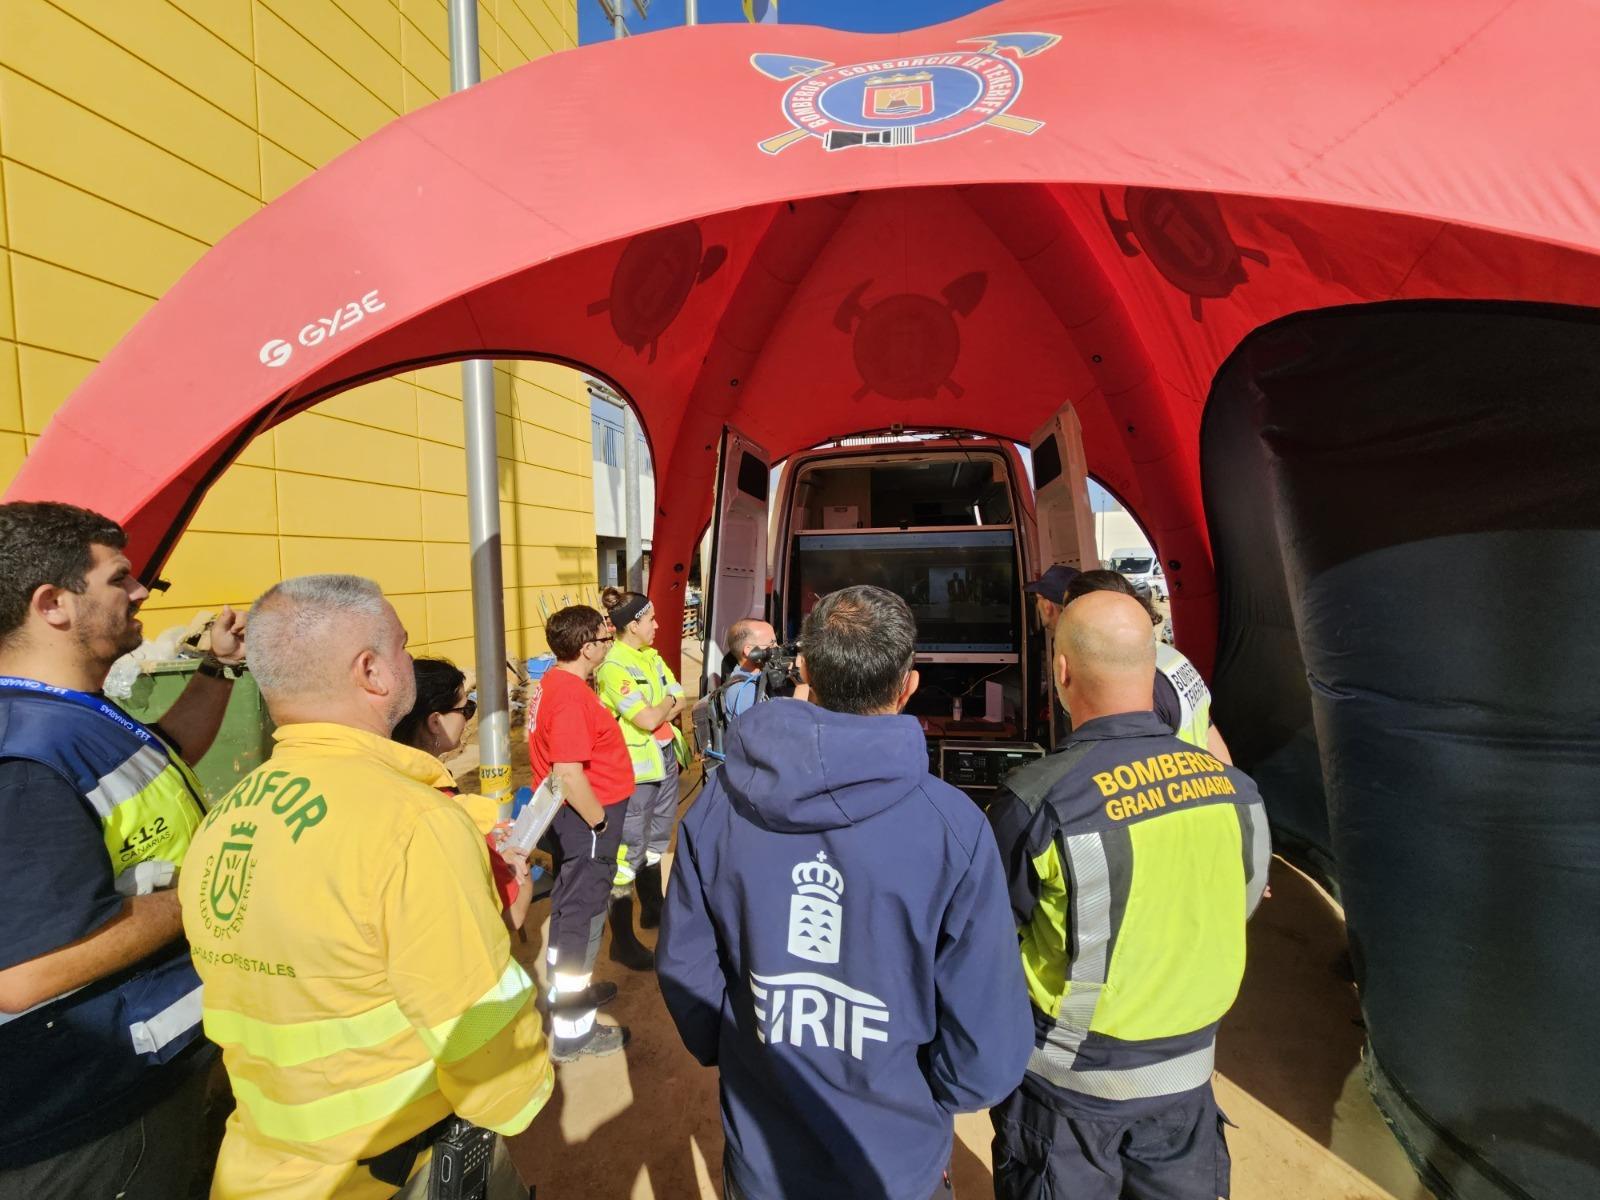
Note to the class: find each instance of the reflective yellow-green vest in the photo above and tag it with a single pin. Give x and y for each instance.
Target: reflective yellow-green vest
(1142, 859)
(358, 976)
(631, 679)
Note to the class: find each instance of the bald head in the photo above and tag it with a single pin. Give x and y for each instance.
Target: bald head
(1105, 656)
(331, 648)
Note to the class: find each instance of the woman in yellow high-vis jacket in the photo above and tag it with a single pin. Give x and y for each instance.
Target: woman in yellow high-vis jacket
(636, 684)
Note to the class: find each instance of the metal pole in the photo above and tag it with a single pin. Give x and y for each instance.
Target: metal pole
(630, 500)
(618, 29)
(483, 502)
(691, 12)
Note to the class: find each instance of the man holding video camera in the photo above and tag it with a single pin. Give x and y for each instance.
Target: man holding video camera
(754, 644)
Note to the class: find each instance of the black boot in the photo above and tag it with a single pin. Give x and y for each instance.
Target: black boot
(625, 946)
(649, 886)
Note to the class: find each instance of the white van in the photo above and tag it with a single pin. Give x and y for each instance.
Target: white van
(947, 521)
(1139, 565)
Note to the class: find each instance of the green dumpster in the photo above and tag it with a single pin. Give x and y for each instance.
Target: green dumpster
(243, 743)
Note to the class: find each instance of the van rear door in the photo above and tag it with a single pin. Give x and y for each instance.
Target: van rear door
(738, 576)
(1065, 523)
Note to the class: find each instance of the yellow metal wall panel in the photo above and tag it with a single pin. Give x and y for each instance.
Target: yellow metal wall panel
(181, 48)
(445, 565)
(280, 170)
(228, 19)
(413, 613)
(524, 33)
(297, 125)
(396, 566)
(320, 445)
(379, 19)
(257, 453)
(430, 18)
(536, 526)
(439, 418)
(60, 138)
(46, 378)
(13, 448)
(10, 394)
(421, 56)
(553, 489)
(444, 518)
(449, 615)
(546, 448)
(461, 651)
(416, 92)
(445, 379)
(75, 229)
(312, 506)
(209, 570)
(132, 139)
(386, 404)
(242, 500)
(287, 56)
(64, 55)
(370, 56)
(443, 468)
(8, 328)
(62, 310)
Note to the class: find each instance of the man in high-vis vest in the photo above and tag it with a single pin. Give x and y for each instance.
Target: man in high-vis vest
(103, 1070)
(1134, 860)
(1181, 698)
(341, 911)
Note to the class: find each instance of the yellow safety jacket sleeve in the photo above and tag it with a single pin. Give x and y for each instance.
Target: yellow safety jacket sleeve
(619, 690)
(449, 964)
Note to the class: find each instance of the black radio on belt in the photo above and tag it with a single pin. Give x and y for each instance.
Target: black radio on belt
(462, 1158)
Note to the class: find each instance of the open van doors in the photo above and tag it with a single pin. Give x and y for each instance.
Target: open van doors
(1064, 524)
(1064, 519)
(738, 579)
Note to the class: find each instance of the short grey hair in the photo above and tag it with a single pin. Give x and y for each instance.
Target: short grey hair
(291, 634)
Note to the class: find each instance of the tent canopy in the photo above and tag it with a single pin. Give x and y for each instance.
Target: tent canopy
(1132, 207)
(1073, 203)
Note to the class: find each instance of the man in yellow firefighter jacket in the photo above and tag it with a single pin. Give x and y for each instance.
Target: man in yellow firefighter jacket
(1134, 859)
(341, 913)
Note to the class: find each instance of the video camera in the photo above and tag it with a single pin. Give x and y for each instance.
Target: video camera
(777, 672)
(777, 665)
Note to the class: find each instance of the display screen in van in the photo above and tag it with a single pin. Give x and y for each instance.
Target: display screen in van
(961, 584)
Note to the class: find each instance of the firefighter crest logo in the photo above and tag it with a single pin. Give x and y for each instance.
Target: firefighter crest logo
(815, 915)
(904, 101)
(226, 883)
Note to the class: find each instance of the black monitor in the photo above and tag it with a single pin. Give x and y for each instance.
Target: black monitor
(961, 584)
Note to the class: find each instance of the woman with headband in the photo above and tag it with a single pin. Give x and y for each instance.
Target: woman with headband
(636, 684)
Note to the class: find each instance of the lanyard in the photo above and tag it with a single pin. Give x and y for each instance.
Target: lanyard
(96, 704)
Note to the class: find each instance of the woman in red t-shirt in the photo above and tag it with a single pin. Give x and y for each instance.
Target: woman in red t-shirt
(572, 737)
(436, 725)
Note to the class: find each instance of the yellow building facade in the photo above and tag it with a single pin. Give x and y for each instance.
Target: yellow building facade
(134, 134)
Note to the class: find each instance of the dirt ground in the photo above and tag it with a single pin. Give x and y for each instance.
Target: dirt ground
(645, 1125)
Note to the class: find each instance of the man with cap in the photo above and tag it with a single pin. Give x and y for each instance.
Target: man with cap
(1049, 593)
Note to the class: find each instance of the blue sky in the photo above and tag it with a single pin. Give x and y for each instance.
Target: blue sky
(863, 16)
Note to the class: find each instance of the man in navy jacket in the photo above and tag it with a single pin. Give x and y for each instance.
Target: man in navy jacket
(837, 936)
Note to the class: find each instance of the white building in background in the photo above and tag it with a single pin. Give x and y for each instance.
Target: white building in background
(1114, 527)
(610, 526)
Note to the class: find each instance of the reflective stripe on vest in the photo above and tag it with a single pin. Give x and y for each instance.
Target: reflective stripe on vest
(1194, 698)
(644, 752)
(329, 1113)
(1166, 1078)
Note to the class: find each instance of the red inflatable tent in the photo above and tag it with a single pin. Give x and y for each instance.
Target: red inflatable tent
(805, 233)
